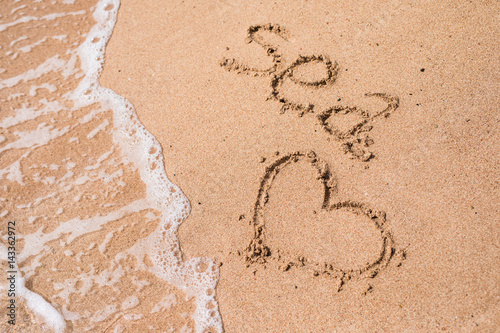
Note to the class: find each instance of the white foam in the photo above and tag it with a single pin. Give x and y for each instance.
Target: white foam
(100, 316)
(60, 37)
(74, 228)
(137, 142)
(99, 128)
(104, 244)
(26, 113)
(69, 315)
(35, 302)
(50, 87)
(28, 48)
(17, 8)
(140, 283)
(139, 148)
(166, 303)
(130, 302)
(41, 307)
(17, 40)
(40, 136)
(52, 64)
(26, 19)
(13, 173)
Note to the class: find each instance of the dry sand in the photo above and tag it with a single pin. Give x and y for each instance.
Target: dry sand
(434, 172)
(367, 201)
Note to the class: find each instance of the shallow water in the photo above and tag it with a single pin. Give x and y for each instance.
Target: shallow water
(95, 214)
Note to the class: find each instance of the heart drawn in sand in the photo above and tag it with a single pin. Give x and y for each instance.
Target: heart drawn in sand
(339, 216)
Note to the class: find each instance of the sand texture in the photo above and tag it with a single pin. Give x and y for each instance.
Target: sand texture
(341, 160)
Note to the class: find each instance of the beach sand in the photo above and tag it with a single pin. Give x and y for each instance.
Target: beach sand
(435, 171)
(340, 159)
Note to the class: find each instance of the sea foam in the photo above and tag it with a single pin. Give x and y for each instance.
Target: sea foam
(85, 182)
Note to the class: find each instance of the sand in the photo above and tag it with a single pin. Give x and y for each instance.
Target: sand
(340, 158)
(434, 171)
